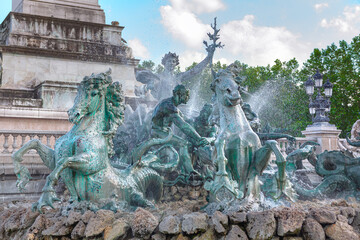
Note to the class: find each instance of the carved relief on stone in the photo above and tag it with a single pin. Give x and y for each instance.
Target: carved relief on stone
(4, 31)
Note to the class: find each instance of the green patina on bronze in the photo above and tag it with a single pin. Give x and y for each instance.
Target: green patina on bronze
(341, 173)
(165, 114)
(81, 157)
(240, 158)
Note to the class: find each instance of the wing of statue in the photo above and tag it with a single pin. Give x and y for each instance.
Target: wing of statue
(146, 76)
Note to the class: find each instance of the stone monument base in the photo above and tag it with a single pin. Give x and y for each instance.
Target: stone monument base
(324, 133)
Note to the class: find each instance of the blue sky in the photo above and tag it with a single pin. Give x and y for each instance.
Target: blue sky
(255, 32)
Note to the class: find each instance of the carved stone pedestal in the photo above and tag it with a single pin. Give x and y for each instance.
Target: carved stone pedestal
(326, 134)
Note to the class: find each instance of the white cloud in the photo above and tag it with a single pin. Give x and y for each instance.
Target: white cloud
(320, 6)
(198, 6)
(189, 57)
(349, 22)
(224, 60)
(259, 45)
(139, 50)
(184, 26)
(254, 45)
(181, 21)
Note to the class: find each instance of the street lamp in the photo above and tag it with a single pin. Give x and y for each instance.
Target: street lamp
(320, 106)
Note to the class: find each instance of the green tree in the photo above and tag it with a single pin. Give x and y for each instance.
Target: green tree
(150, 65)
(341, 65)
(147, 64)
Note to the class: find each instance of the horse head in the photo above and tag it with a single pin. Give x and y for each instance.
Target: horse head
(226, 89)
(89, 96)
(94, 92)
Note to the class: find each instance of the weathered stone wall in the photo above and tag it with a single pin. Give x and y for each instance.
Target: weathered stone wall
(37, 49)
(82, 10)
(35, 70)
(184, 221)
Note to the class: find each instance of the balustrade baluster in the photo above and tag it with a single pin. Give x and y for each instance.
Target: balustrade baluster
(14, 145)
(48, 138)
(23, 136)
(32, 136)
(6, 144)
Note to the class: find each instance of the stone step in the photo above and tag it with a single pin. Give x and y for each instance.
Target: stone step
(21, 102)
(17, 93)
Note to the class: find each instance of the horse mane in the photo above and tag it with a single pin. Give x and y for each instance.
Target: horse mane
(114, 101)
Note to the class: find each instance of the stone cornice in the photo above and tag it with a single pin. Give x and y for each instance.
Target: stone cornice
(67, 55)
(68, 21)
(61, 38)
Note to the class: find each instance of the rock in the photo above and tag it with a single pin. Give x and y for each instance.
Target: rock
(12, 223)
(292, 238)
(342, 218)
(341, 230)
(144, 223)
(194, 222)
(87, 215)
(38, 225)
(323, 216)
(236, 233)
(79, 230)
(339, 203)
(98, 223)
(28, 218)
(173, 190)
(180, 237)
(73, 218)
(118, 230)
(289, 221)
(356, 223)
(4, 215)
(193, 195)
(261, 225)
(313, 230)
(158, 236)
(57, 229)
(237, 217)
(170, 225)
(349, 213)
(220, 222)
(208, 235)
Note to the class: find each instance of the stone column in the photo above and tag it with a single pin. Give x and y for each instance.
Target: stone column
(327, 135)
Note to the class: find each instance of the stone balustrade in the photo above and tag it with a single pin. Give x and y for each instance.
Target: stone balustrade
(284, 143)
(10, 140)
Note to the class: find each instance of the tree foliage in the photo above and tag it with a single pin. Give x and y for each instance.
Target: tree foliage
(341, 64)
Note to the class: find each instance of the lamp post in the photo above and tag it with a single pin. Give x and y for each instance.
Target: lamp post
(320, 106)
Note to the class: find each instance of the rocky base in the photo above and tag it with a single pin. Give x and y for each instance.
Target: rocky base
(183, 220)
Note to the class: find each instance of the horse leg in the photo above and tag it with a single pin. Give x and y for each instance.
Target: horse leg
(48, 193)
(220, 159)
(281, 164)
(46, 154)
(262, 158)
(260, 161)
(67, 177)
